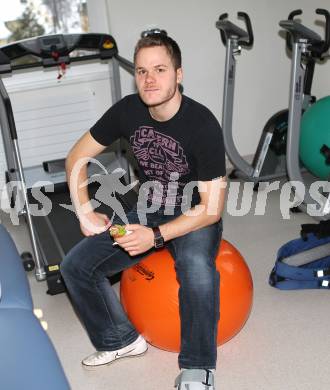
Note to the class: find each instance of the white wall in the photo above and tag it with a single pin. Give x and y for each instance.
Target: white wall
(262, 80)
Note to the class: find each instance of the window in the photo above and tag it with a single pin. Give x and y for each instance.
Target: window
(21, 19)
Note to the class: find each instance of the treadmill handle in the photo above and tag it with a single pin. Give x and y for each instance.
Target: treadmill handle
(9, 111)
(11, 122)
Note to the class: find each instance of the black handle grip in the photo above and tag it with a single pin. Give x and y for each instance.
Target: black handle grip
(222, 33)
(326, 43)
(247, 20)
(242, 42)
(294, 13)
(291, 16)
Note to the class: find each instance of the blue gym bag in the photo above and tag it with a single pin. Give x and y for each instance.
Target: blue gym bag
(304, 263)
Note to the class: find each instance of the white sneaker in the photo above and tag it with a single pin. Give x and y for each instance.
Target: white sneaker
(100, 358)
(195, 379)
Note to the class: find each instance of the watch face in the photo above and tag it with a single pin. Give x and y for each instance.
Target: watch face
(159, 242)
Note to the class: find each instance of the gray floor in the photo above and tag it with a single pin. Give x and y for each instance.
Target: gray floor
(284, 345)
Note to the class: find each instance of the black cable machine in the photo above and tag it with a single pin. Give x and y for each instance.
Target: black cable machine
(54, 234)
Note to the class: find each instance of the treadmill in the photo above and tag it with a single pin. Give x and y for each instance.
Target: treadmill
(53, 235)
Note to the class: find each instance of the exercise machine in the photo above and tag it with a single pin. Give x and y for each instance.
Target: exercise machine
(269, 161)
(53, 235)
(305, 44)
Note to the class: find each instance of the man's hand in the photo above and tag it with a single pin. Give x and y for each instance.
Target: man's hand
(93, 223)
(139, 241)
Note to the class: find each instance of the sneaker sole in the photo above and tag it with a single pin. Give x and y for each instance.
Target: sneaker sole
(91, 368)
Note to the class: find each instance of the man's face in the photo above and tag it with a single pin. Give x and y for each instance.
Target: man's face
(156, 78)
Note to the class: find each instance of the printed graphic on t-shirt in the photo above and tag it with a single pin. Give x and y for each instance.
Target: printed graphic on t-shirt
(160, 156)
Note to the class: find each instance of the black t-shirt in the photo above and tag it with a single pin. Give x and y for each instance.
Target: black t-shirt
(185, 149)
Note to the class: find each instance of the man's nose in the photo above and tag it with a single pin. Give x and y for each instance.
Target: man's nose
(149, 78)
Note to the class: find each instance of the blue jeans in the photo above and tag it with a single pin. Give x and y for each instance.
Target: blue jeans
(87, 265)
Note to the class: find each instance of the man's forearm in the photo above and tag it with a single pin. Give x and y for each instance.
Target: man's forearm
(207, 212)
(76, 170)
(185, 224)
(76, 177)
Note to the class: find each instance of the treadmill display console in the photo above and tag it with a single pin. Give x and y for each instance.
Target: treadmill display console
(48, 42)
(54, 49)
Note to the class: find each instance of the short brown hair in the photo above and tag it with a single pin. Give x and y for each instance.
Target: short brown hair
(158, 39)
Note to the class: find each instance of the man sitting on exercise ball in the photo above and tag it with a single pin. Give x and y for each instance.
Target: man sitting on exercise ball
(175, 140)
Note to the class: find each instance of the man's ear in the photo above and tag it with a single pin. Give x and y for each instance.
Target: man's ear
(179, 75)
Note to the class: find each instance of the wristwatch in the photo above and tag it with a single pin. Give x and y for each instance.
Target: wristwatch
(159, 239)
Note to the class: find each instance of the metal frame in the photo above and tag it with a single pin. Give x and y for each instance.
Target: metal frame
(232, 49)
(234, 39)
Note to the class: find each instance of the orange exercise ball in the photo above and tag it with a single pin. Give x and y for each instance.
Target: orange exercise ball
(149, 294)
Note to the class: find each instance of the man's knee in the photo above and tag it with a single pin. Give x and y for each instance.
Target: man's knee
(69, 266)
(197, 272)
